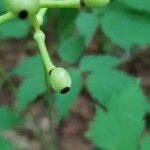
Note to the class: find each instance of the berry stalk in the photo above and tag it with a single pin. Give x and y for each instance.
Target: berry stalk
(60, 4)
(6, 17)
(39, 37)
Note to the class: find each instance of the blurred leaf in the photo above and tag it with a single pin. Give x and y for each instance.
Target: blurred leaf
(2, 6)
(8, 118)
(104, 80)
(103, 85)
(145, 143)
(33, 85)
(95, 63)
(14, 29)
(120, 128)
(87, 25)
(29, 67)
(130, 101)
(28, 91)
(65, 24)
(125, 27)
(5, 145)
(142, 5)
(106, 132)
(64, 103)
(70, 49)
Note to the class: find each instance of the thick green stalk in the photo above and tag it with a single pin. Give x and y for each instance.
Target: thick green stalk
(40, 16)
(6, 17)
(61, 4)
(39, 37)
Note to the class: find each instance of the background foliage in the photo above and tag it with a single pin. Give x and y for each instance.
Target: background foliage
(121, 104)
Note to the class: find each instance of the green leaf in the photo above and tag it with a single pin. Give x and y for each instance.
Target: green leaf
(2, 6)
(95, 63)
(8, 118)
(87, 25)
(65, 24)
(126, 28)
(64, 103)
(33, 85)
(104, 80)
(102, 85)
(6, 145)
(106, 132)
(14, 29)
(145, 145)
(29, 67)
(70, 49)
(141, 5)
(120, 128)
(130, 101)
(28, 91)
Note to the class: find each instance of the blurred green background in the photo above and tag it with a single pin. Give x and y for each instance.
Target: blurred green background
(107, 54)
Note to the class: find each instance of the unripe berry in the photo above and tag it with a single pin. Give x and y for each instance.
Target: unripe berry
(95, 3)
(60, 80)
(23, 8)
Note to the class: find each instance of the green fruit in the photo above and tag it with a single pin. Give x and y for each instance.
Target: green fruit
(60, 80)
(23, 8)
(95, 3)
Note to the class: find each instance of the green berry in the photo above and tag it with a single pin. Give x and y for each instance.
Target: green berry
(23, 8)
(95, 3)
(60, 80)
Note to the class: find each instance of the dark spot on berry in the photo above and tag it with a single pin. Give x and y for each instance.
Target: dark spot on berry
(65, 90)
(23, 14)
(82, 3)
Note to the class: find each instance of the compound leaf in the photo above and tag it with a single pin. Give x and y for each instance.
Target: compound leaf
(122, 125)
(126, 28)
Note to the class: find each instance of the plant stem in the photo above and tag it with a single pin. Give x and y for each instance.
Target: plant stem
(61, 4)
(39, 37)
(6, 17)
(40, 16)
(50, 107)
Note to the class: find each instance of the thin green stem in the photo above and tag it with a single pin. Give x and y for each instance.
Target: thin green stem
(39, 37)
(40, 16)
(61, 4)
(50, 107)
(6, 17)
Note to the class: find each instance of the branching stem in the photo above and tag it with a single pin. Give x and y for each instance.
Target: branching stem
(39, 37)
(61, 4)
(6, 17)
